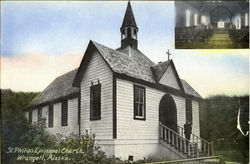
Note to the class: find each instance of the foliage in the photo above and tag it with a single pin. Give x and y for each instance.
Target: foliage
(91, 153)
(219, 124)
(17, 132)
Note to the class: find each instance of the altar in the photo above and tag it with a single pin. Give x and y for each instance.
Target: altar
(221, 24)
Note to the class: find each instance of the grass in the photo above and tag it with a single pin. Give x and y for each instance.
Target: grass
(231, 156)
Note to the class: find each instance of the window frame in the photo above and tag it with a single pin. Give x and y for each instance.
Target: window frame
(51, 116)
(136, 117)
(30, 116)
(95, 101)
(64, 111)
(39, 114)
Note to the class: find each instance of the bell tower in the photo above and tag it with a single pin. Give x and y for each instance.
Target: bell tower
(129, 29)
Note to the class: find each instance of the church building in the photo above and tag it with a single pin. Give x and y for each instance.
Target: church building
(211, 24)
(136, 108)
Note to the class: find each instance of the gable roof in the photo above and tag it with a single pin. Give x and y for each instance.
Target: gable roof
(129, 19)
(189, 90)
(159, 70)
(132, 63)
(127, 61)
(60, 87)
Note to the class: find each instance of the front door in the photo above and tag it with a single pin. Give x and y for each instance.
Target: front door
(168, 112)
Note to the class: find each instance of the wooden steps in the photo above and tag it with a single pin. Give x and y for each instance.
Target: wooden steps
(196, 147)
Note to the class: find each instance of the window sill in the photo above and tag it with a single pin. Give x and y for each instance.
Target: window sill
(140, 118)
(94, 119)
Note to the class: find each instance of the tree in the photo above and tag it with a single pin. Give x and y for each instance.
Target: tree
(219, 121)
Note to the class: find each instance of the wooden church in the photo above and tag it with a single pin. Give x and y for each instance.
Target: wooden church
(136, 108)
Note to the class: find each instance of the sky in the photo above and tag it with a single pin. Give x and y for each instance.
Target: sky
(42, 40)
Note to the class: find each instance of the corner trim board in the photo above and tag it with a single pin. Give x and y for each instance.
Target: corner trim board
(114, 108)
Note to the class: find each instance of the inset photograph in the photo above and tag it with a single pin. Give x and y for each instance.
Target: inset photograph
(211, 24)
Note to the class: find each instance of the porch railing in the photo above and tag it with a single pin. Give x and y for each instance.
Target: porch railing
(179, 142)
(205, 147)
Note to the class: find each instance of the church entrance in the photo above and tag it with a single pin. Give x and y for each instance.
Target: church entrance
(168, 112)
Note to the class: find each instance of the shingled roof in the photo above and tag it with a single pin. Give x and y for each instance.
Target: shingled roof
(60, 87)
(189, 90)
(159, 69)
(129, 19)
(133, 63)
(127, 61)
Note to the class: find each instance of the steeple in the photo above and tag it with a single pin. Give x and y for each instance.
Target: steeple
(129, 29)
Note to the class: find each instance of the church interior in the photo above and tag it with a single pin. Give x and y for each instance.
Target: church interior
(211, 24)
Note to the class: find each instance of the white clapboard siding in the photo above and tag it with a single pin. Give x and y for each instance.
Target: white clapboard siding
(73, 115)
(169, 78)
(72, 126)
(128, 127)
(181, 110)
(34, 116)
(97, 69)
(196, 118)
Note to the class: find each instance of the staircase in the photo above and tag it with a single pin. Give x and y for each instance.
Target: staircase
(193, 148)
(220, 39)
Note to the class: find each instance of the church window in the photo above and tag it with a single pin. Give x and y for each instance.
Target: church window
(64, 113)
(39, 114)
(30, 116)
(187, 18)
(195, 19)
(246, 19)
(189, 116)
(95, 102)
(139, 102)
(51, 116)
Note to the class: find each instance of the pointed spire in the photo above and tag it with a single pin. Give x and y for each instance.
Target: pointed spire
(129, 19)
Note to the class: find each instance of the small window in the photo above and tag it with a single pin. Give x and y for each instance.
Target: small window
(39, 114)
(51, 116)
(95, 102)
(129, 33)
(135, 31)
(30, 116)
(189, 116)
(64, 113)
(139, 103)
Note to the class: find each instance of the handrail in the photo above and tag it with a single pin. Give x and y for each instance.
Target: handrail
(210, 144)
(193, 134)
(178, 141)
(175, 133)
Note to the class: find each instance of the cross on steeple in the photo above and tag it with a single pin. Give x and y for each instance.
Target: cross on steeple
(168, 53)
